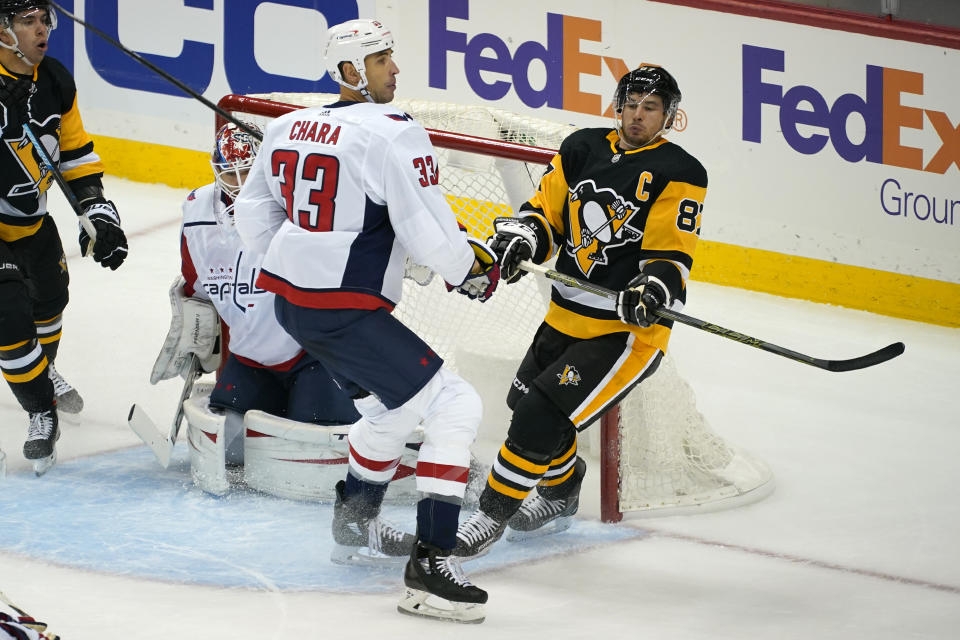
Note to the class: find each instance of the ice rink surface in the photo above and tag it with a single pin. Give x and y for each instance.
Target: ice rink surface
(859, 539)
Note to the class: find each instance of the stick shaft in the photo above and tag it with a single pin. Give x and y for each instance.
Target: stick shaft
(64, 187)
(881, 355)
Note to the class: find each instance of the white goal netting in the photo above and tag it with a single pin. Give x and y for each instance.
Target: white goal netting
(669, 458)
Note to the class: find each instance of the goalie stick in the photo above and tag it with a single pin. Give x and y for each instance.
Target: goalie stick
(877, 357)
(64, 187)
(160, 72)
(143, 426)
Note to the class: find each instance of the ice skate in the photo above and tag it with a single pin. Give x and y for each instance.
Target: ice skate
(68, 399)
(477, 534)
(42, 436)
(438, 589)
(363, 538)
(540, 516)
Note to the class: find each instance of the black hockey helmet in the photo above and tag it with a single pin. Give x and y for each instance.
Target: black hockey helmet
(649, 78)
(10, 8)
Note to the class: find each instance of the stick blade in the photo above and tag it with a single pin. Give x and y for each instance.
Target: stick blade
(880, 356)
(144, 427)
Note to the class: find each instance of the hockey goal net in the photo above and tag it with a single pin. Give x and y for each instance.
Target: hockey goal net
(656, 452)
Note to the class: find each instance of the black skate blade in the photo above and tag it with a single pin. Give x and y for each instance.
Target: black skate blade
(558, 525)
(426, 605)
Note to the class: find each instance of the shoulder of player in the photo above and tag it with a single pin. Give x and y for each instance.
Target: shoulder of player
(377, 119)
(198, 206)
(52, 70)
(588, 137)
(683, 167)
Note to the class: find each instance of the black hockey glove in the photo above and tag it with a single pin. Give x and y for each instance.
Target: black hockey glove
(514, 241)
(110, 247)
(13, 97)
(480, 286)
(644, 295)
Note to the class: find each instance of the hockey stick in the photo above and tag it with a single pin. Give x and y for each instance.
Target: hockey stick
(160, 72)
(146, 428)
(64, 187)
(877, 357)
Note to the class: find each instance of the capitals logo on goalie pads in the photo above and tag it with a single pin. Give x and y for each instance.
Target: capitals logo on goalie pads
(194, 329)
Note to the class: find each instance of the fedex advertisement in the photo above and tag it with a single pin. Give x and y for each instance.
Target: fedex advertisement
(847, 152)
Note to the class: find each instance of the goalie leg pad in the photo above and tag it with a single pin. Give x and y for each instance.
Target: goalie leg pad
(207, 443)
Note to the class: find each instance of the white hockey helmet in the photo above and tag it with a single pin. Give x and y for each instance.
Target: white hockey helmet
(352, 41)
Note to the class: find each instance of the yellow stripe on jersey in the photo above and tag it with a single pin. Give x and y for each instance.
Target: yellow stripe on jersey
(11, 347)
(560, 460)
(555, 481)
(674, 219)
(583, 327)
(522, 463)
(634, 365)
(13, 232)
(73, 136)
(499, 487)
(552, 194)
(29, 375)
(51, 338)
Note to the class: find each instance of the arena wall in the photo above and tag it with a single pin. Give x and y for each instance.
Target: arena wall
(833, 152)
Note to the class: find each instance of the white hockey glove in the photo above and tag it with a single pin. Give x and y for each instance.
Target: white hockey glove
(194, 329)
(480, 286)
(644, 295)
(513, 241)
(417, 272)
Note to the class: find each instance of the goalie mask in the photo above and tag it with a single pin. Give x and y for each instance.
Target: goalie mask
(233, 154)
(645, 80)
(11, 10)
(352, 42)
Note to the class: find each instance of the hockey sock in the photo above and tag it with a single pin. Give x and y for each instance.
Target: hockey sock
(369, 493)
(437, 520)
(48, 334)
(25, 368)
(514, 474)
(560, 480)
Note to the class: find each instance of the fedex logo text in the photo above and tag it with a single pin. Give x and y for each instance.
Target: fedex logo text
(881, 110)
(487, 52)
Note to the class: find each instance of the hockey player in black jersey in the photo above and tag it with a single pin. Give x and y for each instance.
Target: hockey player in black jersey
(38, 91)
(622, 208)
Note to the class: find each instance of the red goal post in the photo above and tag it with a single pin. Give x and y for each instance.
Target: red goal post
(656, 453)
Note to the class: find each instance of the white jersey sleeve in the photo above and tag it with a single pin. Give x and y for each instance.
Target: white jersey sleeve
(419, 212)
(257, 213)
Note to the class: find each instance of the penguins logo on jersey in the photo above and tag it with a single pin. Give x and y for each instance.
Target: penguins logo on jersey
(570, 375)
(36, 177)
(599, 220)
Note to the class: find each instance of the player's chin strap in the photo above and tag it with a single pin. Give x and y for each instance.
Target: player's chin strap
(15, 47)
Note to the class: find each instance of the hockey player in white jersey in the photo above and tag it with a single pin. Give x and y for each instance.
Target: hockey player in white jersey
(339, 197)
(266, 369)
(17, 624)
